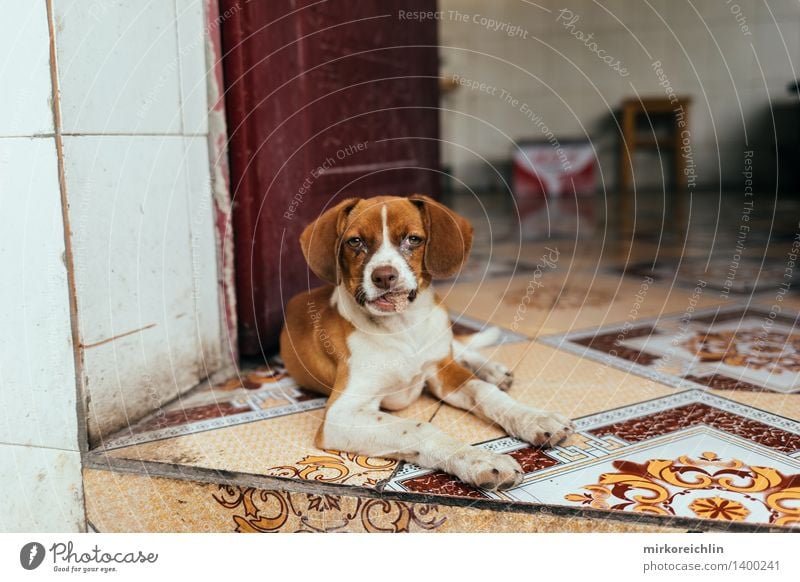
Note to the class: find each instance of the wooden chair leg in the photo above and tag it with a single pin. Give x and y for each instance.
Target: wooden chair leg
(627, 151)
(681, 190)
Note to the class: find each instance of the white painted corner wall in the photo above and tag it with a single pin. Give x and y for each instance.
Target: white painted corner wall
(141, 245)
(133, 82)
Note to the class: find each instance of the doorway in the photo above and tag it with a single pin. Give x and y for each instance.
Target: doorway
(325, 100)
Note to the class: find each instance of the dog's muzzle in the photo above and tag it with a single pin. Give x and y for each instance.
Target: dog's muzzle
(393, 301)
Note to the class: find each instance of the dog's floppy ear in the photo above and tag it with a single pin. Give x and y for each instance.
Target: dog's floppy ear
(320, 240)
(449, 237)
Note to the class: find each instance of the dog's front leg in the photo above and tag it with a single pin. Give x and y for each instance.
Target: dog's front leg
(356, 424)
(460, 388)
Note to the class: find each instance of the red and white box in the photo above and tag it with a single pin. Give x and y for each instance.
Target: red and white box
(554, 185)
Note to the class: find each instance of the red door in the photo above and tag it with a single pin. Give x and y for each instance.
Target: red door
(325, 100)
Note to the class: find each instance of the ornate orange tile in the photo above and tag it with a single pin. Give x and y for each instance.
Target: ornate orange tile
(121, 502)
(691, 454)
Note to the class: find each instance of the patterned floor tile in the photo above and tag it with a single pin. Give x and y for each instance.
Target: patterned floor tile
(276, 447)
(118, 502)
(732, 348)
(261, 393)
(258, 394)
(722, 275)
(692, 454)
(551, 379)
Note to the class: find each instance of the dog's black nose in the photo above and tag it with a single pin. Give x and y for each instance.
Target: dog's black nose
(384, 277)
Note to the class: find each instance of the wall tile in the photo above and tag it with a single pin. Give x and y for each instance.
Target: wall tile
(780, 9)
(736, 51)
(730, 130)
(685, 42)
(565, 61)
(679, 16)
(118, 66)
(702, 124)
(205, 277)
(25, 70)
(191, 48)
(531, 74)
(41, 490)
(129, 211)
(486, 138)
(778, 50)
(37, 376)
(134, 375)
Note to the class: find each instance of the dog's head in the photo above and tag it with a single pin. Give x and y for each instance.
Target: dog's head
(384, 250)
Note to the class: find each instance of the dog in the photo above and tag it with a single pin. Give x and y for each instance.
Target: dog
(378, 335)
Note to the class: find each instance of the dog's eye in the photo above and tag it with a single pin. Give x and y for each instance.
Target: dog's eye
(355, 242)
(414, 240)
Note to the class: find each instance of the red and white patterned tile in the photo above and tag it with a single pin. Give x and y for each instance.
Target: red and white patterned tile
(743, 277)
(727, 348)
(692, 455)
(259, 394)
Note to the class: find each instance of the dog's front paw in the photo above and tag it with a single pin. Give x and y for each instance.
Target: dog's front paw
(497, 374)
(486, 470)
(540, 428)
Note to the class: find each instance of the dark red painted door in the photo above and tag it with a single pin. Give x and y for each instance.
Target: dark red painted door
(324, 101)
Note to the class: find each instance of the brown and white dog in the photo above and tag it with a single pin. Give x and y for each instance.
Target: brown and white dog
(376, 337)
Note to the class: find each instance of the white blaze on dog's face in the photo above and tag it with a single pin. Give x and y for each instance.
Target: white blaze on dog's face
(385, 250)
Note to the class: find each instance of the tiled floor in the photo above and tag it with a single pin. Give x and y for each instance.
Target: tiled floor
(690, 454)
(729, 348)
(681, 371)
(119, 502)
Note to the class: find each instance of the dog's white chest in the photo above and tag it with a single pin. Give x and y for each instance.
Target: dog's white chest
(394, 363)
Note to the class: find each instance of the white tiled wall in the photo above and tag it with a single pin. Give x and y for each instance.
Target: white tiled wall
(129, 210)
(133, 82)
(207, 314)
(25, 70)
(118, 66)
(39, 436)
(191, 50)
(42, 490)
(703, 51)
(37, 375)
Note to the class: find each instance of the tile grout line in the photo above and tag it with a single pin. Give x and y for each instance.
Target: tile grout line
(178, 63)
(128, 134)
(102, 134)
(69, 259)
(201, 366)
(34, 446)
(68, 252)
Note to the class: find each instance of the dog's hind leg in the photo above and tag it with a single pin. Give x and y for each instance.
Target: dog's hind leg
(465, 353)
